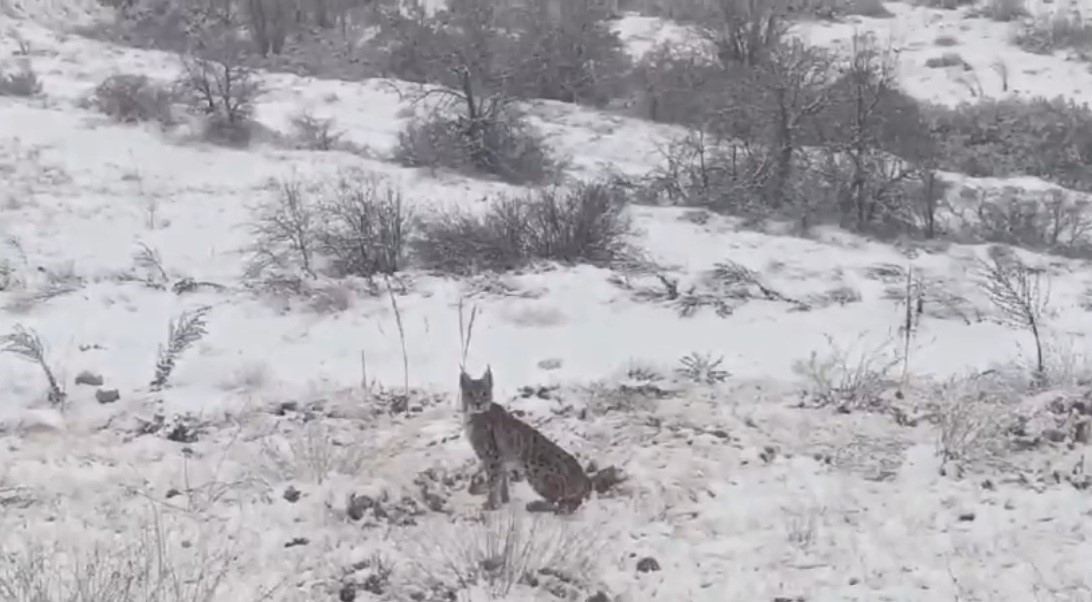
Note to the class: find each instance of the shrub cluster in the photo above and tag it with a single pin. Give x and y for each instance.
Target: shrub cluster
(1048, 138)
(134, 98)
(362, 226)
(778, 128)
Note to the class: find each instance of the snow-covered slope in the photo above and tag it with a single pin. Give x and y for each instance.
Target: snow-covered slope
(734, 491)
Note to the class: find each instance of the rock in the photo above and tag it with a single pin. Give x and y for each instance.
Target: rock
(598, 597)
(291, 494)
(105, 396)
(1082, 432)
(375, 584)
(552, 363)
(89, 378)
(1054, 417)
(540, 506)
(182, 433)
(286, 407)
(607, 479)
(647, 564)
(1054, 435)
(297, 541)
(347, 593)
(358, 505)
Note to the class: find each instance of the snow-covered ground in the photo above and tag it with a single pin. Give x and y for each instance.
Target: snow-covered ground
(268, 430)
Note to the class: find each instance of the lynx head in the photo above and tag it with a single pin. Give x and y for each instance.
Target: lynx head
(476, 394)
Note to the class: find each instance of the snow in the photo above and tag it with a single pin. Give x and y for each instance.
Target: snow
(737, 493)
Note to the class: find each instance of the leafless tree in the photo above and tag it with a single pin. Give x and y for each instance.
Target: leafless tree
(1021, 294)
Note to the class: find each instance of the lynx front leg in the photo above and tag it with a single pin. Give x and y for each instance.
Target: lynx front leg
(498, 485)
(504, 486)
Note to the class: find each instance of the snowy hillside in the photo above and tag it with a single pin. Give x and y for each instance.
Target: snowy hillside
(782, 434)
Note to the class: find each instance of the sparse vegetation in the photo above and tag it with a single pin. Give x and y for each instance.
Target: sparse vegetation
(182, 333)
(218, 85)
(780, 134)
(311, 454)
(1004, 10)
(359, 225)
(1059, 31)
(25, 344)
(284, 231)
(702, 368)
(585, 224)
(972, 419)
(160, 560)
(848, 378)
(315, 133)
(499, 554)
(365, 226)
(1037, 137)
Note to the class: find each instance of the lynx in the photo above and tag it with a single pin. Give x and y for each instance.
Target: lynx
(503, 443)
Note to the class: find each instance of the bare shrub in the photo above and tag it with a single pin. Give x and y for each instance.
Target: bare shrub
(1043, 137)
(314, 133)
(674, 81)
(849, 379)
(160, 560)
(744, 31)
(472, 121)
(577, 56)
(585, 224)
(365, 226)
(312, 453)
(502, 550)
(1054, 221)
(23, 81)
(406, 44)
(1059, 31)
(25, 344)
(1020, 294)
(182, 332)
(219, 85)
(948, 59)
(284, 232)
(702, 368)
(1004, 10)
(134, 98)
(496, 142)
(873, 134)
(359, 225)
(972, 418)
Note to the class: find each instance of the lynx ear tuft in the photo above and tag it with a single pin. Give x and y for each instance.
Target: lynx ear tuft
(488, 376)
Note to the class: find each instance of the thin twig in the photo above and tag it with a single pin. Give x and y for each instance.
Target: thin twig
(401, 335)
(466, 332)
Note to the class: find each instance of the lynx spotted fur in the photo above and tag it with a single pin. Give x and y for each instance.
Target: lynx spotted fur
(504, 443)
